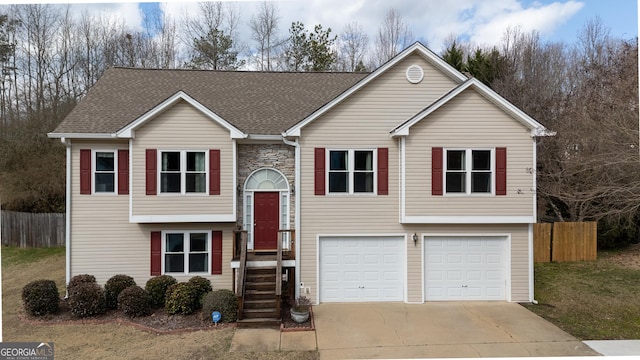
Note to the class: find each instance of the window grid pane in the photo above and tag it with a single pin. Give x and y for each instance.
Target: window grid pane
(104, 176)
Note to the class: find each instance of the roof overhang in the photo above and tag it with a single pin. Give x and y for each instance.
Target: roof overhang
(535, 128)
(417, 48)
(129, 130)
(81, 135)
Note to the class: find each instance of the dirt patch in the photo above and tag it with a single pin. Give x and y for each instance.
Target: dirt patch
(629, 257)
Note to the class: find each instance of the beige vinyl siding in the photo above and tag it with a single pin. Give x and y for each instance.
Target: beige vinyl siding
(182, 127)
(103, 241)
(469, 121)
(363, 121)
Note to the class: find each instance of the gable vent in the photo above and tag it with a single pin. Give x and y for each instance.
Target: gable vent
(415, 74)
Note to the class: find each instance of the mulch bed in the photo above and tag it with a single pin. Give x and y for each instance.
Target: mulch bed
(289, 325)
(158, 322)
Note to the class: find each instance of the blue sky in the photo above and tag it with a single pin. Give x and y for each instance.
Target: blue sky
(431, 21)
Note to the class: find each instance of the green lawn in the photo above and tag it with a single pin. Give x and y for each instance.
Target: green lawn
(15, 256)
(592, 300)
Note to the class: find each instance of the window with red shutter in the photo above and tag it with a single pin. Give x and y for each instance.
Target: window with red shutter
(383, 171)
(319, 172)
(85, 171)
(151, 163)
(436, 171)
(123, 172)
(216, 253)
(156, 253)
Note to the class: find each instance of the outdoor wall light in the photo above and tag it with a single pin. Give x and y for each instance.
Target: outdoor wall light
(415, 239)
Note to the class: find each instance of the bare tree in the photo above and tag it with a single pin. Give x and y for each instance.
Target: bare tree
(353, 44)
(213, 17)
(264, 27)
(393, 36)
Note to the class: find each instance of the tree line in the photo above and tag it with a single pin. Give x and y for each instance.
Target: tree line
(586, 92)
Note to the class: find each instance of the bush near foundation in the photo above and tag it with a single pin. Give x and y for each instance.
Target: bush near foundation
(202, 287)
(80, 279)
(157, 288)
(41, 297)
(134, 301)
(114, 286)
(181, 298)
(223, 301)
(87, 299)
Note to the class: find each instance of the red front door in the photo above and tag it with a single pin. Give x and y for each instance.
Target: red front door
(266, 215)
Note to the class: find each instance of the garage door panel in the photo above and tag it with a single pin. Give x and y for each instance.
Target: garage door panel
(370, 269)
(465, 268)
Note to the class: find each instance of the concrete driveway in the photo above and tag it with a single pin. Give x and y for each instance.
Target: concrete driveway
(450, 329)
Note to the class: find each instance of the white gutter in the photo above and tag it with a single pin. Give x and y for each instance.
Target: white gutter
(297, 208)
(67, 225)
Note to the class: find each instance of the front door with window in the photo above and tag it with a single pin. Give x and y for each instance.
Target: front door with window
(266, 220)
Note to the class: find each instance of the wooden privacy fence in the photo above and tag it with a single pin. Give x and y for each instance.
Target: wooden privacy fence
(565, 241)
(32, 230)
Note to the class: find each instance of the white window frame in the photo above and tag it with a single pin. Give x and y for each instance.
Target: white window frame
(186, 238)
(468, 171)
(351, 171)
(94, 154)
(183, 173)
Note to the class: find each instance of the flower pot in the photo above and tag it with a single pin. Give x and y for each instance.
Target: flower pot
(300, 316)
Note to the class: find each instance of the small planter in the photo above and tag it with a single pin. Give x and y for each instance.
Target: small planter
(300, 316)
(300, 311)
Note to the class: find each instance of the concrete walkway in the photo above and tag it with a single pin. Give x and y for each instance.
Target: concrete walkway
(615, 347)
(261, 340)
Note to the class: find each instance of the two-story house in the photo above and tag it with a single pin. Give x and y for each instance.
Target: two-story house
(412, 183)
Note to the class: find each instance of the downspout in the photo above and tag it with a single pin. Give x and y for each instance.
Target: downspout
(296, 145)
(67, 225)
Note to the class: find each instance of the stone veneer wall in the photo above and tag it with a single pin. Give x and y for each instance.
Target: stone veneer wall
(252, 157)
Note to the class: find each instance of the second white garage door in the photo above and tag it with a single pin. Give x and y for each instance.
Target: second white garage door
(360, 269)
(465, 268)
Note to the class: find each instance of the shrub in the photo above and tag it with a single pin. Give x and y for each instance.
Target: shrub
(80, 279)
(114, 286)
(202, 287)
(134, 301)
(41, 297)
(223, 301)
(157, 289)
(87, 299)
(182, 298)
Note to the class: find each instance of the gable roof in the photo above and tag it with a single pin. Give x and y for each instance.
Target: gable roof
(535, 127)
(264, 103)
(416, 48)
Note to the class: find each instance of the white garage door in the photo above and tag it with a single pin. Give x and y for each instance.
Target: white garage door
(356, 269)
(465, 268)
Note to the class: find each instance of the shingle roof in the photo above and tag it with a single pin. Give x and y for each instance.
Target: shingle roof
(262, 103)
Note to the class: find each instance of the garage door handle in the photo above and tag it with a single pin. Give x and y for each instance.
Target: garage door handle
(465, 285)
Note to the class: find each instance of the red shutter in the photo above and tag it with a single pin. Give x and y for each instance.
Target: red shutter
(501, 171)
(123, 172)
(216, 253)
(152, 167)
(319, 184)
(214, 172)
(436, 171)
(156, 253)
(383, 171)
(85, 171)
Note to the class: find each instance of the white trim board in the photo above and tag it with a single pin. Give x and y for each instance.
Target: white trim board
(468, 219)
(182, 218)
